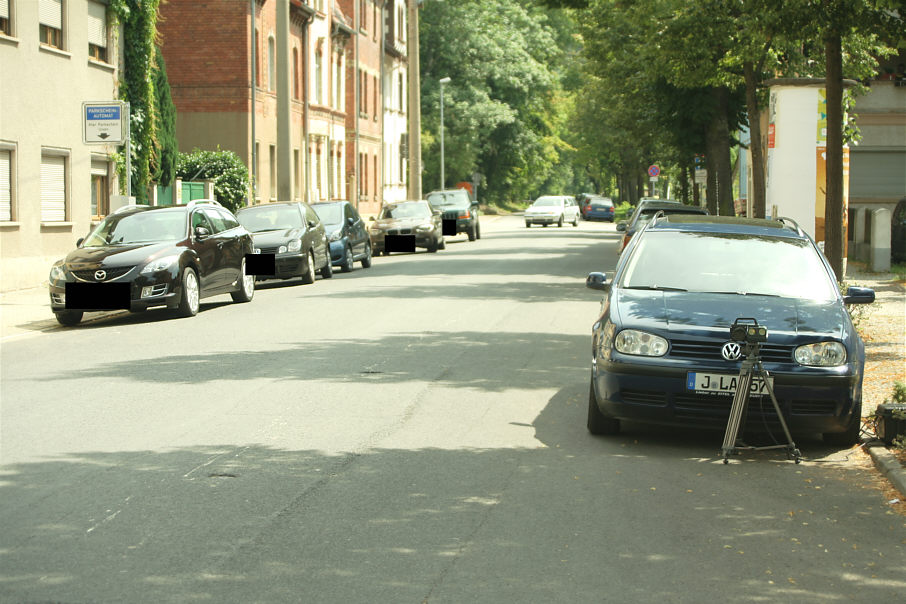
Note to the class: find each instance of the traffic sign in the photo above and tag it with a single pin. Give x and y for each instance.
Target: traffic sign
(654, 171)
(104, 122)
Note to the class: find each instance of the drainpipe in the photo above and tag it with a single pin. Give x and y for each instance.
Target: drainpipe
(382, 41)
(305, 105)
(415, 109)
(254, 170)
(355, 93)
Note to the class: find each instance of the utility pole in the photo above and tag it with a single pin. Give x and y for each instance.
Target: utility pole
(415, 103)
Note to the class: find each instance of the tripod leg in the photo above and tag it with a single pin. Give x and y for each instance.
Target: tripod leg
(737, 410)
(791, 448)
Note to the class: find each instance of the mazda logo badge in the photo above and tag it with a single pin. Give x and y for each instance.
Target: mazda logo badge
(100, 275)
(731, 351)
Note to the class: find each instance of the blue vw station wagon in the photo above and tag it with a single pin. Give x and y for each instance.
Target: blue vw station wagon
(661, 348)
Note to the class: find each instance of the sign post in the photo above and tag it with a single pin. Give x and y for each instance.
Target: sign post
(107, 123)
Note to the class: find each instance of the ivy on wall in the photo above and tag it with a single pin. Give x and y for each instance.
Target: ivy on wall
(139, 21)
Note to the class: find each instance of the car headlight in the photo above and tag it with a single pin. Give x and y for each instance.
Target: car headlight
(57, 273)
(821, 354)
(424, 228)
(640, 343)
(336, 235)
(160, 264)
(294, 245)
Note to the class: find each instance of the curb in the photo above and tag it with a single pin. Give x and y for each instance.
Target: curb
(890, 466)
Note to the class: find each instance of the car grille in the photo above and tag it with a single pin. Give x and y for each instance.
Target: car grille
(451, 214)
(814, 407)
(112, 273)
(644, 397)
(403, 231)
(710, 351)
(270, 250)
(708, 410)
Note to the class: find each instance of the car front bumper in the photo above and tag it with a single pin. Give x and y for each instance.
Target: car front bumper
(158, 292)
(810, 403)
(546, 219)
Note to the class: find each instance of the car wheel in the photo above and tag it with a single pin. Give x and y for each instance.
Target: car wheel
(308, 277)
(246, 286)
(576, 220)
(478, 230)
(327, 271)
(366, 261)
(598, 423)
(348, 262)
(443, 243)
(68, 317)
(560, 221)
(432, 247)
(528, 225)
(386, 252)
(851, 435)
(191, 296)
(472, 233)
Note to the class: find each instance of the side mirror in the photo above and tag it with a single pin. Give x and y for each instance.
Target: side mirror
(350, 220)
(78, 243)
(437, 212)
(859, 295)
(597, 281)
(475, 204)
(621, 226)
(201, 232)
(312, 224)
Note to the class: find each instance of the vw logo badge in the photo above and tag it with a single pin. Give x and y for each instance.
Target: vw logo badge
(731, 351)
(100, 275)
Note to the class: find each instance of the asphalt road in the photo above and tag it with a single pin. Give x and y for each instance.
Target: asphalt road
(414, 432)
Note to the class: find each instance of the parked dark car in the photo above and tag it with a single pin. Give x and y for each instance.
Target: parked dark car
(644, 212)
(349, 241)
(662, 350)
(293, 233)
(140, 257)
(596, 207)
(407, 222)
(458, 210)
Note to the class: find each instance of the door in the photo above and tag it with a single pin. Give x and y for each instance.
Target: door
(229, 244)
(316, 235)
(207, 251)
(355, 226)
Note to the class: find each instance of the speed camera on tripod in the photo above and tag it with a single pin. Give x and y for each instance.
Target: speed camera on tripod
(748, 330)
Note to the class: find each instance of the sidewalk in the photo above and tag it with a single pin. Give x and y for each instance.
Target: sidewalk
(27, 311)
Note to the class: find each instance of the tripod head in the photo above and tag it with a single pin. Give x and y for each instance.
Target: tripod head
(747, 331)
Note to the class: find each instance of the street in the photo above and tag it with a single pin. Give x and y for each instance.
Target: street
(413, 432)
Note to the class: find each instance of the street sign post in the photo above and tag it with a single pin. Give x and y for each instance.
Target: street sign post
(104, 123)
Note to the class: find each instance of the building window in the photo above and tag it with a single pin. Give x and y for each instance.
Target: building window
(338, 81)
(376, 104)
(6, 185)
(318, 170)
(401, 25)
(365, 175)
(256, 177)
(376, 181)
(100, 189)
(53, 188)
(273, 166)
(297, 173)
(50, 15)
(319, 75)
(271, 64)
(5, 18)
(402, 91)
(257, 59)
(364, 93)
(339, 175)
(363, 15)
(296, 94)
(97, 31)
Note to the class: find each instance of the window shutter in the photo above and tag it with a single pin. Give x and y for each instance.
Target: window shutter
(5, 185)
(4, 9)
(98, 167)
(97, 24)
(50, 13)
(53, 189)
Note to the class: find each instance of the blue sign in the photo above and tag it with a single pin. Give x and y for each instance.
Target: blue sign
(103, 113)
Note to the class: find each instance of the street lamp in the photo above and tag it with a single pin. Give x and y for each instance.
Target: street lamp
(442, 179)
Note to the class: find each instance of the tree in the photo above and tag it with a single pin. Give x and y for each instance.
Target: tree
(229, 173)
(166, 148)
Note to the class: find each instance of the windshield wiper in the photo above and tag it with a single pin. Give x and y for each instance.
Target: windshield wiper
(744, 294)
(659, 288)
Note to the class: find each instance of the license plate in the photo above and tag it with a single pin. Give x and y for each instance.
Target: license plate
(722, 383)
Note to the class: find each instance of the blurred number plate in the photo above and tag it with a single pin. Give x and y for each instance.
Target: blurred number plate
(722, 383)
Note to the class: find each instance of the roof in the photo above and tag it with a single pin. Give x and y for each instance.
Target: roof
(726, 224)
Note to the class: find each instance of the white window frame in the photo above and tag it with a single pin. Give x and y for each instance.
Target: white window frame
(7, 183)
(271, 64)
(98, 31)
(52, 13)
(54, 202)
(7, 11)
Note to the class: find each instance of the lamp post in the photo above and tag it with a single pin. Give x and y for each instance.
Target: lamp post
(442, 179)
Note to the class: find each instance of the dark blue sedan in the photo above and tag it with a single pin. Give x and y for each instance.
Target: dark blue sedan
(660, 346)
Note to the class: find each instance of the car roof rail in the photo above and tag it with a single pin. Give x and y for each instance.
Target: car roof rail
(198, 202)
(787, 221)
(657, 215)
(131, 206)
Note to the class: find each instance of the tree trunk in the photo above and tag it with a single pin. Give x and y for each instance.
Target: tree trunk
(724, 163)
(684, 185)
(758, 174)
(712, 148)
(833, 200)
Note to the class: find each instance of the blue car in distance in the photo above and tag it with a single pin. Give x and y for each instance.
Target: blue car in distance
(662, 351)
(348, 238)
(596, 207)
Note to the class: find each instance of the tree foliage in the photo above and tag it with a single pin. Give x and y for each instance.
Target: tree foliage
(165, 143)
(225, 168)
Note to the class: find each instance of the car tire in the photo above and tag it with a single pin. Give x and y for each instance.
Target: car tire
(432, 247)
(68, 318)
(478, 230)
(576, 220)
(528, 225)
(327, 270)
(850, 436)
(246, 290)
(308, 277)
(473, 233)
(366, 261)
(560, 222)
(598, 423)
(443, 243)
(190, 298)
(348, 261)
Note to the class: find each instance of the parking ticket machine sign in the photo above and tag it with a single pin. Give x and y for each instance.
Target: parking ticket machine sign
(104, 123)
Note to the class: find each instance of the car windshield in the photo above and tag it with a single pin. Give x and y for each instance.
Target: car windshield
(276, 218)
(548, 202)
(648, 213)
(728, 263)
(329, 213)
(448, 199)
(407, 210)
(138, 227)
